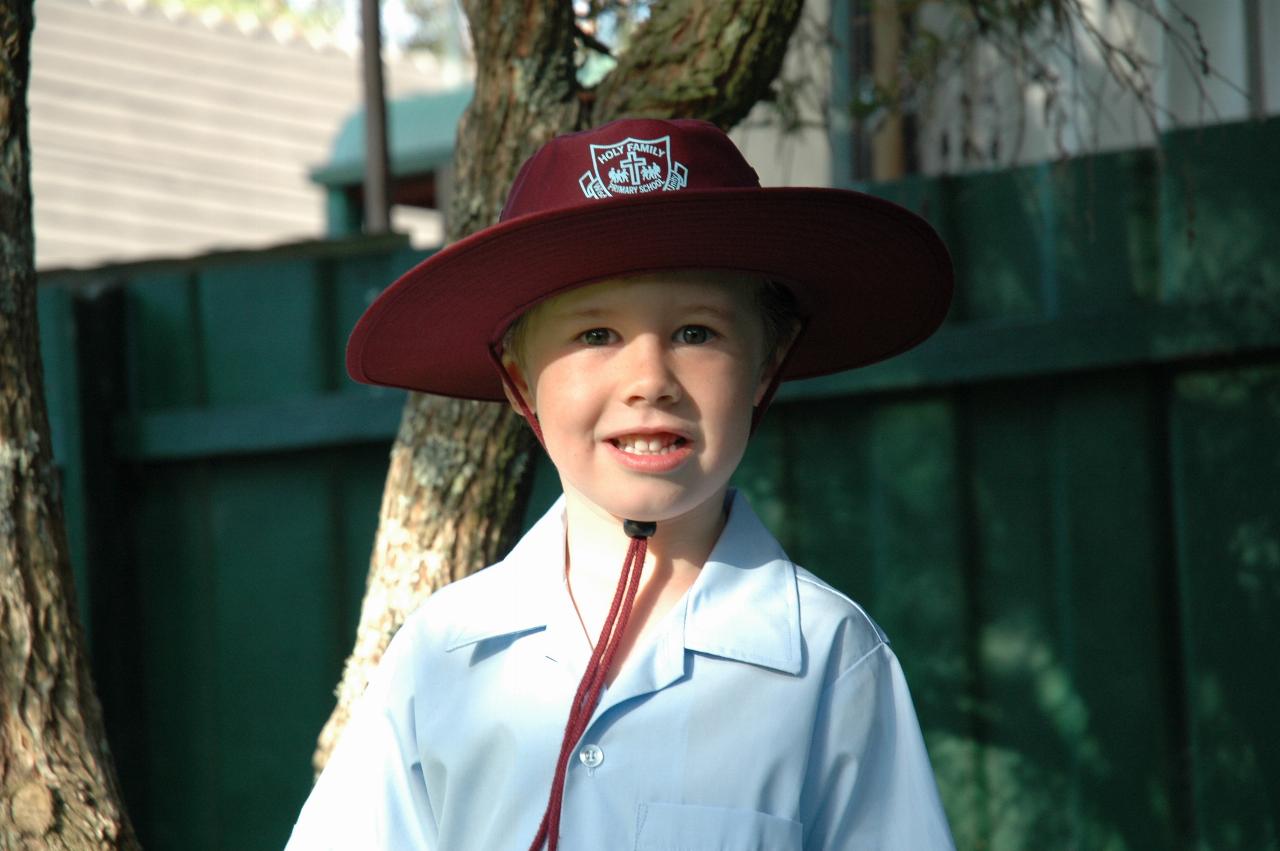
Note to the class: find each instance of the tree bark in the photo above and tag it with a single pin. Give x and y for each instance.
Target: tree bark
(57, 782)
(457, 487)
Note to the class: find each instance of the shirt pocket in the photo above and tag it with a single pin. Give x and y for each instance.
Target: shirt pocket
(682, 827)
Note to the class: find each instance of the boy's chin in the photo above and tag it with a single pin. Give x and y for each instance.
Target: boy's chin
(655, 508)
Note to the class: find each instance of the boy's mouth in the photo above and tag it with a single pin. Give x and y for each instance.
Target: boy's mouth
(648, 444)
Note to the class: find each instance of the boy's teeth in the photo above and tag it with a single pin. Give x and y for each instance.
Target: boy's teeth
(646, 445)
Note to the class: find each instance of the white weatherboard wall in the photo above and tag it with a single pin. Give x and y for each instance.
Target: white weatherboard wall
(158, 136)
(1006, 126)
(801, 156)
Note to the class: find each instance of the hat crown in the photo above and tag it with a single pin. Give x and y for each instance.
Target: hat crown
(626, 159)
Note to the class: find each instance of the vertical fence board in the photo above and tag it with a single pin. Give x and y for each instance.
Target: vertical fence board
(164, 343)
(263, 336)
(1111, 529)
(1227, 494)
(179, 706)
(1024, 679)
(921, 594)
(919, 589)
(273, 601)
(362, 475)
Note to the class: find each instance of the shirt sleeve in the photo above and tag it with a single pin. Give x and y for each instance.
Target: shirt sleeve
(371, 794)
(869, 784)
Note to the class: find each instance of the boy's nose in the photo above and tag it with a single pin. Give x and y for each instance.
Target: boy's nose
(647, 376)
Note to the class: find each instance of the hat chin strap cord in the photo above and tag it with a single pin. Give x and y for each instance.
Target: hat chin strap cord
(606, 646)
(592, 683)
(495, 354)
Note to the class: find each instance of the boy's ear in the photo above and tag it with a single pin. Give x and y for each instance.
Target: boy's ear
(518, 383)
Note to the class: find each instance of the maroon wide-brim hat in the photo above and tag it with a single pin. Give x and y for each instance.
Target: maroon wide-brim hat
(640, 195)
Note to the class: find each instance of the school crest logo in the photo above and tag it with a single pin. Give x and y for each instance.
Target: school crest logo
(632, 167)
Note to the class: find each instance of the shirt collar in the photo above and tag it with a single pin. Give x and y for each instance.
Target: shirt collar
(743, 606)
(522, 599)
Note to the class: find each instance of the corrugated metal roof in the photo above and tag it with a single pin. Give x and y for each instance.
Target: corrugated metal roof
(158, 135)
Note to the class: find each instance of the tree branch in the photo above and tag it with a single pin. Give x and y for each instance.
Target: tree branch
(593, 43)
(705, 59)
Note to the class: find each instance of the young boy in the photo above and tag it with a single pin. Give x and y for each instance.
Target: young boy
(646, 669)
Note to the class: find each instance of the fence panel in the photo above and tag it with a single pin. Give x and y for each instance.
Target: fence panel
(251, 472)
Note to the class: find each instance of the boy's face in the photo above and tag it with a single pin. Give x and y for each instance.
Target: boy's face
(644, 387)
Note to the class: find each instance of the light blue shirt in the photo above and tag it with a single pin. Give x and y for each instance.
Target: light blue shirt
(768, 712)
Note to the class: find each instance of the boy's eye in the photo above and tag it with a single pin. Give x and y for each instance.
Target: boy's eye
(694, 335)
(595, 337)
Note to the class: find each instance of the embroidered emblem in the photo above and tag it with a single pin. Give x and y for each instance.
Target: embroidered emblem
(632, 167)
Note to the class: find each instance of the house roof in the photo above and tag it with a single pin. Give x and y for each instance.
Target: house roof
(420, 135)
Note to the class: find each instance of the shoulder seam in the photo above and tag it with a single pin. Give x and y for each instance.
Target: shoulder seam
(880, 645)
(804, 576)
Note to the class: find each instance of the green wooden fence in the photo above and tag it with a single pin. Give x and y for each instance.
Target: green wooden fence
(1064, 508)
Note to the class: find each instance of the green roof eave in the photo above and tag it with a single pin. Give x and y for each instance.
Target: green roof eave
(420, 134)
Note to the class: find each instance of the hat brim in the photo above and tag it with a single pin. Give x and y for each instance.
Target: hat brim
(872, 278)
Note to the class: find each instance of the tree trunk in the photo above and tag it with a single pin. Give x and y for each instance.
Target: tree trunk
(57, 783)
(457, 487)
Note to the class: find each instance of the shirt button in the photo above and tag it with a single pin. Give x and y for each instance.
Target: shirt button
(591, 756)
